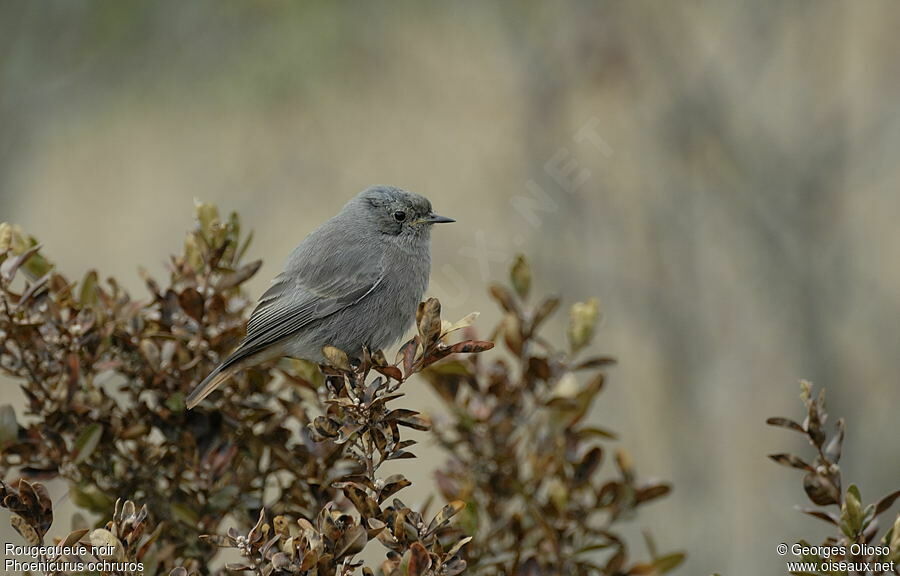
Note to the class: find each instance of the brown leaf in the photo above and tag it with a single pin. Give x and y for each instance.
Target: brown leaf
(74, 537)
(419, 560)
(595, 362)
(392, 485)
(326, 426)
(445, 514)
(191, 301)
(34, 289)
(791, 461)
(428, 320)
(239, 276)
(822, 515)
(821, 490)
(539, 368)
(886, 502)
(833, 450)
(470, 347)
(546, 308)
(647, 493)
(588, 465)
(336, 357)
(407, 355)
(597, 431)
(505, 298)
(351, 542)
(616, 562)
(409, 418)
(512, 333)
(346, 432)
(26, 530)
(391, 372)
(785, 423)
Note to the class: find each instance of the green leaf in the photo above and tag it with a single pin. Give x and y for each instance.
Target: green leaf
(224, 498)
(582, 320)
(668, 562)
(87, 442)
(520, 275)
(175, 402)
(207, 217)
(9, 427)
(89, 294)
(184, 514)
(91, 498)
(852, 513)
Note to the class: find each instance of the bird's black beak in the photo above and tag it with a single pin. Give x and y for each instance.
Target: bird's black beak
(436, 219)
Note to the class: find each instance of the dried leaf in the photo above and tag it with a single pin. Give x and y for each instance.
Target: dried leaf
(428, 320)
(111, 548)
(543, 311)
(820, 490)
(26, 530)
(239, 276)
(351, 542)
(419, 560)
(337, 358)
(597, 431)
(652, 492)
(465, 322)
(833, 450)
(595, 362)
(588, 465)
(471, 347)
(74, 537)
(791, 461)
(505, 298)
(191, 301)
(886, 502)
(785, 423)
(391, 372)
(445, 514)
(458, 546)
(392, 485)
(821, 515)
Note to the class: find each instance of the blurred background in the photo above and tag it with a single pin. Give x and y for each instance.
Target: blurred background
(723, 176)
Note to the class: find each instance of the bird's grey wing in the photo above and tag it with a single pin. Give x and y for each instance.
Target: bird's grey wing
(293, 302)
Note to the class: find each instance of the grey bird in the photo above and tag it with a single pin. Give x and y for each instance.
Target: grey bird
(354, 282)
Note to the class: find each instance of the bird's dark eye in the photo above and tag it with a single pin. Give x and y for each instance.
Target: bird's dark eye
(399, 215)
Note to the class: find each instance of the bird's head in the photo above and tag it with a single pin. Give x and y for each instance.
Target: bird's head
(396, 212)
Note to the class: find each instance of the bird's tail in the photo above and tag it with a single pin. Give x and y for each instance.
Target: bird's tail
(210, 383)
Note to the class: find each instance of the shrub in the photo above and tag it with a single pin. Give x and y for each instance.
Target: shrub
(856, 525)
(290, 453)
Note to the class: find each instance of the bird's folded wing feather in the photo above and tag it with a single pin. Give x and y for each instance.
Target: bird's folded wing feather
(293, 301)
